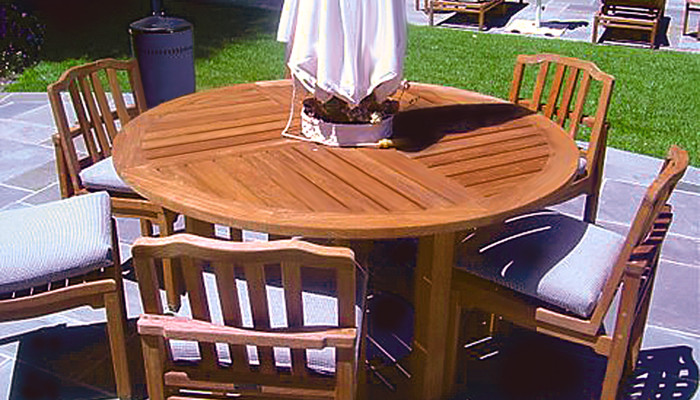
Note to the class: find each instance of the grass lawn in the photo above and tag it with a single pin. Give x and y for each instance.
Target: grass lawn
(655, 100)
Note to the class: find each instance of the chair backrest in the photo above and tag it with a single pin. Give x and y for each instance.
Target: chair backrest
(648, 4)
(566, 97)
(651, 207)
(288, 275)
(99, 116)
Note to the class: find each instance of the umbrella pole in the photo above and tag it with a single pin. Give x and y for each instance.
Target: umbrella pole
(538, 14)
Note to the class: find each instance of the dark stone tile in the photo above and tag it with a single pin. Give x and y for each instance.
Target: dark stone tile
(17, 158)
(30, 97)
(686, 213)
(656, 337)
(573, 207)
(49, 193)
(41, 115)
(26, 132)
(16, 206)
(10, 195)
(630, 167)
(681, 249)
(12, 108)
(620, 201)
(63, 362)
(675, 302)
(37, 178)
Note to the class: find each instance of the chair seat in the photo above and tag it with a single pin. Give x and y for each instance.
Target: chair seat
(54, 241)
(103, 176)
(546, 255)
(319, 310)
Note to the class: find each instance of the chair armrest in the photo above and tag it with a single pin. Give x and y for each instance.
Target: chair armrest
(182, 328)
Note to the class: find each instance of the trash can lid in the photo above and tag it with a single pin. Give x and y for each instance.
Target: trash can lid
(159, 24)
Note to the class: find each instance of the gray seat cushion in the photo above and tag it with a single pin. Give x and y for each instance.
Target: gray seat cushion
(555, 258)
(103, 176)
(54, 241)
(319, 310)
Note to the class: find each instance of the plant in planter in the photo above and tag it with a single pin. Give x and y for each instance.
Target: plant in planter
(348, 55)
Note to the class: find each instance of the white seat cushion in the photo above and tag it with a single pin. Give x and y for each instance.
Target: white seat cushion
(547, 255)
(54, 241)
(103, 176)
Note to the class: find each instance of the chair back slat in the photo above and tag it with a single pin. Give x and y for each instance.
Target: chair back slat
(539, 86)
(576, 115)
(118, 96)
(230, 310)
(551, 105)
(194, 283)
(291, 281)
(567, 96)
(105, 111)
(83, 123)
(257, 294)
(95, 119)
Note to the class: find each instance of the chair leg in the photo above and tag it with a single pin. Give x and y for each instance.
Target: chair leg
(452, 342)
(172, 275)
(594, 36)
(590, 211)
(116, 329)
(621, 338)
(345, 375)
(685, 19)
(431, 12)
(482, 16)
(153, 364)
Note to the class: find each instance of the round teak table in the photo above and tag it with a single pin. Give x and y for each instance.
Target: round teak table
(463, 160)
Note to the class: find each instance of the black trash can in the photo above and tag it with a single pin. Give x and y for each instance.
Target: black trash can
(163, 47)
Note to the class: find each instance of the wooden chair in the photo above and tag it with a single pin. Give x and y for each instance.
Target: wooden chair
(478, 7)
(558, 276)
(644, 15)
(296, 297)
(83, 151)
(562, 97)
(63, 255)
(691, 5)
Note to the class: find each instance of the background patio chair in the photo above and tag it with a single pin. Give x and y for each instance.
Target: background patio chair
(691, 5)
(558, 276)
(560, 92)
(63, 255)
(644, 15)
(83, 152)
(301, 298)
(478, 7)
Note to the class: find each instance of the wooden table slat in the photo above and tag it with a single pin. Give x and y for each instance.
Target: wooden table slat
(389, 198)
(351, 198)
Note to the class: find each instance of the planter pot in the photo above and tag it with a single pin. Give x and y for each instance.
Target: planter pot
(335, 134)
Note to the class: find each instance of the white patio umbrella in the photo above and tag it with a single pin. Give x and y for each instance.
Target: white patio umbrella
(346, 48)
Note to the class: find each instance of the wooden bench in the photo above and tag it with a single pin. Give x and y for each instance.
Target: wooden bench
(642, 15)
(480, 7)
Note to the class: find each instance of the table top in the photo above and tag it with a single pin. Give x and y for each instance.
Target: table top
(463, 160)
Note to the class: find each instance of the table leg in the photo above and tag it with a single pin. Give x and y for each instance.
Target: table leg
(432, 298)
